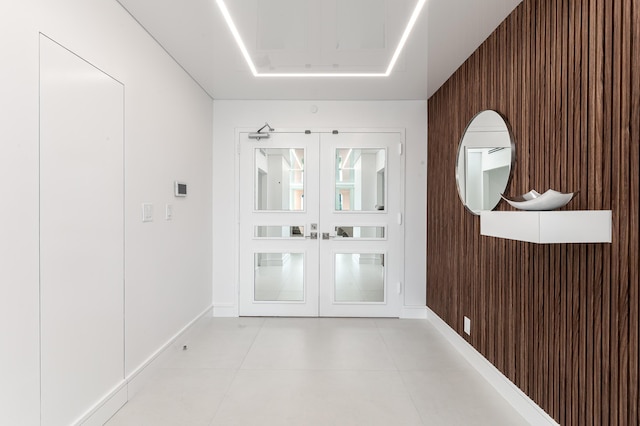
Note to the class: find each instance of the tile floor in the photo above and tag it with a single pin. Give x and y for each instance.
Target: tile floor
(316, 371)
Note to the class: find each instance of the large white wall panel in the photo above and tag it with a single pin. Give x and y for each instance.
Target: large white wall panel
(230, 115)
(81, 234)
(168, 133)
(19, 288)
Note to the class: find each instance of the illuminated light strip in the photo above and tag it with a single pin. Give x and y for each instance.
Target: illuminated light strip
(405, 35)
(236, 35)
(319, 74)
(254, 71)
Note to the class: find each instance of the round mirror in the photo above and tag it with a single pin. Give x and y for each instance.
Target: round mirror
(486, 155)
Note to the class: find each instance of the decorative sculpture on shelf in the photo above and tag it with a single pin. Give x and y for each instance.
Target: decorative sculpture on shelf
(533, 200)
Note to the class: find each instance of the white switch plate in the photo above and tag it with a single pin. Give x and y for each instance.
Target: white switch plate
(467, 326)
(168, 212)
(147, 212)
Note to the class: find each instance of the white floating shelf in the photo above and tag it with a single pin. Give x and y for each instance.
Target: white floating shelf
(548, 227)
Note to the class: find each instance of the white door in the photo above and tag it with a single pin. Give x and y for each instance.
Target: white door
(278, 207)
(361, 248)
(320, 224)
(81, 234)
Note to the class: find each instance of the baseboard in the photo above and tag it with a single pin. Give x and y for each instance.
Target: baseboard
(104, 409)
(138, 376)
(406, 312)
(413, 312)
(228, 310)
(527, 408)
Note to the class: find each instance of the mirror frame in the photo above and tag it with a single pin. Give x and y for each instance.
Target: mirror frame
(511, 166)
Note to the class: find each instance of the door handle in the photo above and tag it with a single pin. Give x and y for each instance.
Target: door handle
(312, 236)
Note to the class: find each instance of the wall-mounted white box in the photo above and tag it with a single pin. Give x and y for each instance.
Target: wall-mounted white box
(548, 227)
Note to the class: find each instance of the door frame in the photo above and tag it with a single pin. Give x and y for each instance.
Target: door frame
(236, 249)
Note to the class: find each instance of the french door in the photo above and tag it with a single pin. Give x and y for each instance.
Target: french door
(321, 224)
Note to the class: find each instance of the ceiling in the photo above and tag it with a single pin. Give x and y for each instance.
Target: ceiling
(344, 36)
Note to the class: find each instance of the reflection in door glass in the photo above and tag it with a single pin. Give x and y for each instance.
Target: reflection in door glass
(279, 179)
(355, 232)
(279, 231)
(359, 277)
(360, 179)
(279, 277)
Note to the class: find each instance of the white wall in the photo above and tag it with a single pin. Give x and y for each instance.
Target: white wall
(19, 289)
(229, 115)
(168, 131)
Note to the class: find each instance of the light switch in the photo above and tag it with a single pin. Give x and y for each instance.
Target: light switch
(168, 212)
(147, 212)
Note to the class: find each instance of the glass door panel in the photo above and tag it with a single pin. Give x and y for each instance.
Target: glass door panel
(278, 265)
(359, 278)
(277, 231)
(279, 179)
(359, 180)
(360, 232)
(279, 277)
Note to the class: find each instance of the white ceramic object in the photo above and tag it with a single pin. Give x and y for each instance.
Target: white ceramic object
(533, 200)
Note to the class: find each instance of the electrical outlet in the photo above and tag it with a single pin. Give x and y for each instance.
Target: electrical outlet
(467, 326)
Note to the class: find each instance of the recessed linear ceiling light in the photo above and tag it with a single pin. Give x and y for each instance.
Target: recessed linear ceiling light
(254, 71)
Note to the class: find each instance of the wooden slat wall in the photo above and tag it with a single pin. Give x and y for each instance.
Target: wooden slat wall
(561, 321)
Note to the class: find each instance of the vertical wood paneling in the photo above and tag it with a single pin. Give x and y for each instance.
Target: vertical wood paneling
(634, 290)
(594, 181)
(561, 321)
(608, 317)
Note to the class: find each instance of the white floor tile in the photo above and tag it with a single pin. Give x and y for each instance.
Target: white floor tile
(317, 398)
(317, 371)
(176, 397)
(299, 344)
(461, 397)
(415, 345)
(218, 345)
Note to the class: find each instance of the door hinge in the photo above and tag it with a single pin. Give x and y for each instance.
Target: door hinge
(399, 218)
(399, 288)
(400, 149)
